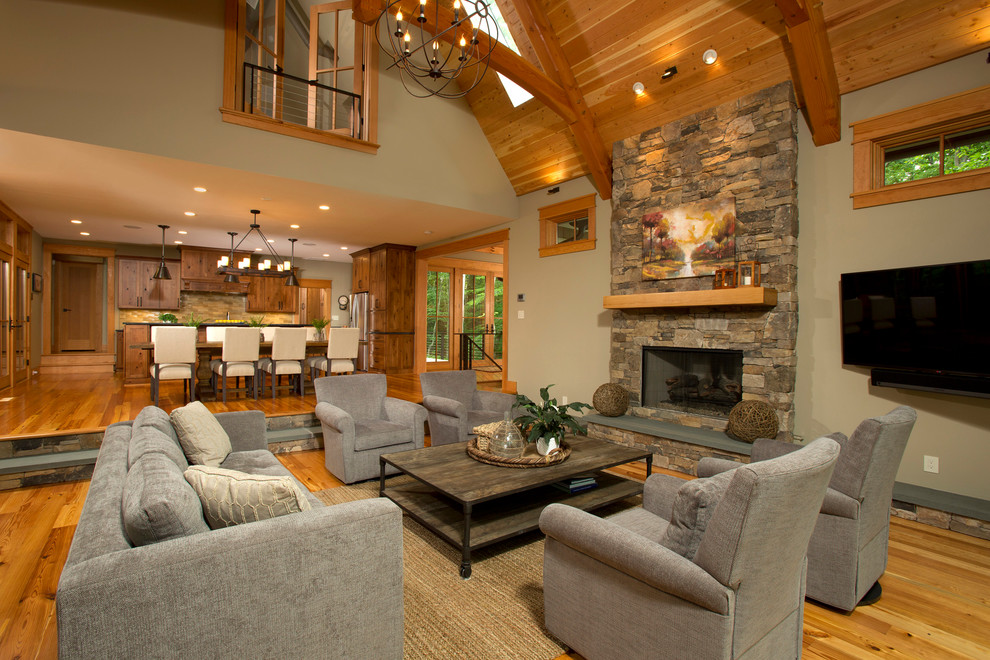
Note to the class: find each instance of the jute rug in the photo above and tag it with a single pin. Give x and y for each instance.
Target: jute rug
(498, 613)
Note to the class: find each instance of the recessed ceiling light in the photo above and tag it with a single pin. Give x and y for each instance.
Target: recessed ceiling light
(177, 242)
(428, 231)
(709, 56)
(294, 226)
(309, 244)
(668, 72)
(76, 222)
(131, 227)
(639, 88)
(199, 189)
(266, 199)
(271, 240)
(326, 255)
(324, 207)
(257, 249)
(342, 247)
(190, 213)
(84, 233)
(181, 231)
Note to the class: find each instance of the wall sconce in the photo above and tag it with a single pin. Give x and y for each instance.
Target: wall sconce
(669, 72)
(709, 56)
(725, 278)
(639, 88)
(748, 273)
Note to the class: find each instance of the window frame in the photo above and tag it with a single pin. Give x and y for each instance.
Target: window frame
(555, 214)
(951, 114)
(234, 31)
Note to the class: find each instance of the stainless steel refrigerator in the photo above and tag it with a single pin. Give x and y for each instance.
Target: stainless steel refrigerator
(359, 319)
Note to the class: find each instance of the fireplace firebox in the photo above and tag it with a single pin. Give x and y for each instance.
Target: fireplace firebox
(705, 381)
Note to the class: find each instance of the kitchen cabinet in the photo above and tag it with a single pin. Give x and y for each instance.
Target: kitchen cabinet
(315, 302)
(269, 294)
(360, 271)
(137, 361)
(391, 300)
(198, 270)
(137, 288)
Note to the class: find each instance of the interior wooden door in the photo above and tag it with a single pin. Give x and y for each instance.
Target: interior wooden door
(5, 329)
(78, 306)
(20, 311)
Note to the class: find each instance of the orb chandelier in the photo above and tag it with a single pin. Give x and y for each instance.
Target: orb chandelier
(274, 266)
(432, 46)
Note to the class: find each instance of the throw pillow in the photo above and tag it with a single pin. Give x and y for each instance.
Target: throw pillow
(157, 504)
(693, 507)
(230, 497)
(202, 438)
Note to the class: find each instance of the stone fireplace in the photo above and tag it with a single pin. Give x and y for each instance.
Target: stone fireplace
(746, 148)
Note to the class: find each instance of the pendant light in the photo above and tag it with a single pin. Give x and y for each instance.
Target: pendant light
(230, 278)
(291, 279)
(162, 272)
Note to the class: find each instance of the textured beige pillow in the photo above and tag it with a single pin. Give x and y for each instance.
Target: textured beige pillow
(202, 438)
(230, 497)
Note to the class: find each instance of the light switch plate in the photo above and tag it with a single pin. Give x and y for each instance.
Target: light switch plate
(521, 314)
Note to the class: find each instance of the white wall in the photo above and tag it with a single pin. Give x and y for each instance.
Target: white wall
(835, 239)
(564, 338)
(147, 77)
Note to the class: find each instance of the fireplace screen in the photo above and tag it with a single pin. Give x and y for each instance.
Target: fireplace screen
(692, 379)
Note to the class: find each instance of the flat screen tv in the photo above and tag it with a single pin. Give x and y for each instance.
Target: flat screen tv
(933, 319)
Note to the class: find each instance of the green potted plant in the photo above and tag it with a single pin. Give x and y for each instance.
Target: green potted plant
(319, 324)
(168, 317)
(193, 321)
(257, 322)
(546, 423)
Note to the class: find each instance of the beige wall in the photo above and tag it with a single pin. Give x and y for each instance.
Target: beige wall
(564, 339)
(147, 77)
(835, 239)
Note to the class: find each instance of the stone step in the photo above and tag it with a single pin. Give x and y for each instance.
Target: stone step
(38, 462)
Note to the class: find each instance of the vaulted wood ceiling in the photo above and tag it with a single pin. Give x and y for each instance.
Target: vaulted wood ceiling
(581, 58)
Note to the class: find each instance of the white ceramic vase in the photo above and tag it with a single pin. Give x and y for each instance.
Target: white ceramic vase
(546, 445)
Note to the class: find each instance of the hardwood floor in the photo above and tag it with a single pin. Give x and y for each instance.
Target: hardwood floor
(936, 601)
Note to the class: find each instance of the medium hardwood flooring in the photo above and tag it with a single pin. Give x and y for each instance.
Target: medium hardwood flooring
(936, 601)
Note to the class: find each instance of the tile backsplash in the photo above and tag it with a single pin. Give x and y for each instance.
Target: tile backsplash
(208, 307)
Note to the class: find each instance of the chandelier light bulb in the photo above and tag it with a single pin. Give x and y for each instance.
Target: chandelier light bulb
(709, 56)
(639, 88)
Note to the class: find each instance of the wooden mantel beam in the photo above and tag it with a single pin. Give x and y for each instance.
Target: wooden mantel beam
(814, 66)
(502, 60)
(551, 56)
(562, 96)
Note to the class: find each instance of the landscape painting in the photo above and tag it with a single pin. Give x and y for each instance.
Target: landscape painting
(690, 240)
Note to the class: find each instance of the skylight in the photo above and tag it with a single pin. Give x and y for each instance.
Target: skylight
(517, 95)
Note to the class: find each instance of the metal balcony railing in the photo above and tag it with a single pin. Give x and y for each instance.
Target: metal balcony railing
(301, 102)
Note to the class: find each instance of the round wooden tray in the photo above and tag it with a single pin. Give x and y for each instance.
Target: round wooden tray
(529, 459)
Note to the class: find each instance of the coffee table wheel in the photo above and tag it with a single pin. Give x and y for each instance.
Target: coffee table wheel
(466, 570)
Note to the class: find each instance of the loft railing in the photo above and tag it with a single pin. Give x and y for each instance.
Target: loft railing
(302, 102)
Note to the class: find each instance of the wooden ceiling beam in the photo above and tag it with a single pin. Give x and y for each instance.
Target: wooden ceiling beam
(551, 56)
(503, 60)
(815, 67)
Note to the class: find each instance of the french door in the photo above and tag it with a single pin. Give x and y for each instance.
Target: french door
(5, 329)
(19, 322)
(480, 320)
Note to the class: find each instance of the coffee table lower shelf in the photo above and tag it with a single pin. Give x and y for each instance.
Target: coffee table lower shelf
(469, 527)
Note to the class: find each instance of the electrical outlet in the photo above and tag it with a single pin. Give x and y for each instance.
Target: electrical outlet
(521, 314)
(931, 464)
(563, 400)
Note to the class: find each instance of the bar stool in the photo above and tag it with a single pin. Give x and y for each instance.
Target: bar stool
(174, 359)
(239, 357)
(342, 351)
(288, 356)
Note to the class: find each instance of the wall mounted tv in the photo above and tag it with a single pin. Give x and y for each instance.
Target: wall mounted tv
(924, 327)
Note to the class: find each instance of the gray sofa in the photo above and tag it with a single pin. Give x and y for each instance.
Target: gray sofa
(322, 583)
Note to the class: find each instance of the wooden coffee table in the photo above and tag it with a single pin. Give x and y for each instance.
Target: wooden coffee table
(470, 504)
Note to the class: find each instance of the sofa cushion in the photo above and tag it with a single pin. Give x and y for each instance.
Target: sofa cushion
(229, 497)
(375, 434)
(157, 504)
(156, 418)
(202, 438)
(145, 439)
(693, 507)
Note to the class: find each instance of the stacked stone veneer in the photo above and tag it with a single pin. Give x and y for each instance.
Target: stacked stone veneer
(746, 148)
(207, 306)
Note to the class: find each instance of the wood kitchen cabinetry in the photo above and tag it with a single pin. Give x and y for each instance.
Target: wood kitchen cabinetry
(137, 361)
(391, 299)
(199, 270)
(360, 271)
(137, 288)
(269, 294)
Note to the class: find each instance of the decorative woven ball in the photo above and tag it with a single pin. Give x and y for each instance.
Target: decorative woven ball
(752, 419)
(611, 400)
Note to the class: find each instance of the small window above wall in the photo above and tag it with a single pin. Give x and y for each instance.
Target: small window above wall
(936, 148)
(568, 226)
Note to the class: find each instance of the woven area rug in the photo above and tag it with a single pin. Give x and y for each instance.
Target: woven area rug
(498, 613)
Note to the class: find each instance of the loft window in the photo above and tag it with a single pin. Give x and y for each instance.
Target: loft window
(308, 73)
(568, 226)
(904, 155)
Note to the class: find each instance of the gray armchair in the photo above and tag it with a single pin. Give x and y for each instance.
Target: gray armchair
(710, 568)
(360, 423)
(848, 550)
(456, 405)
